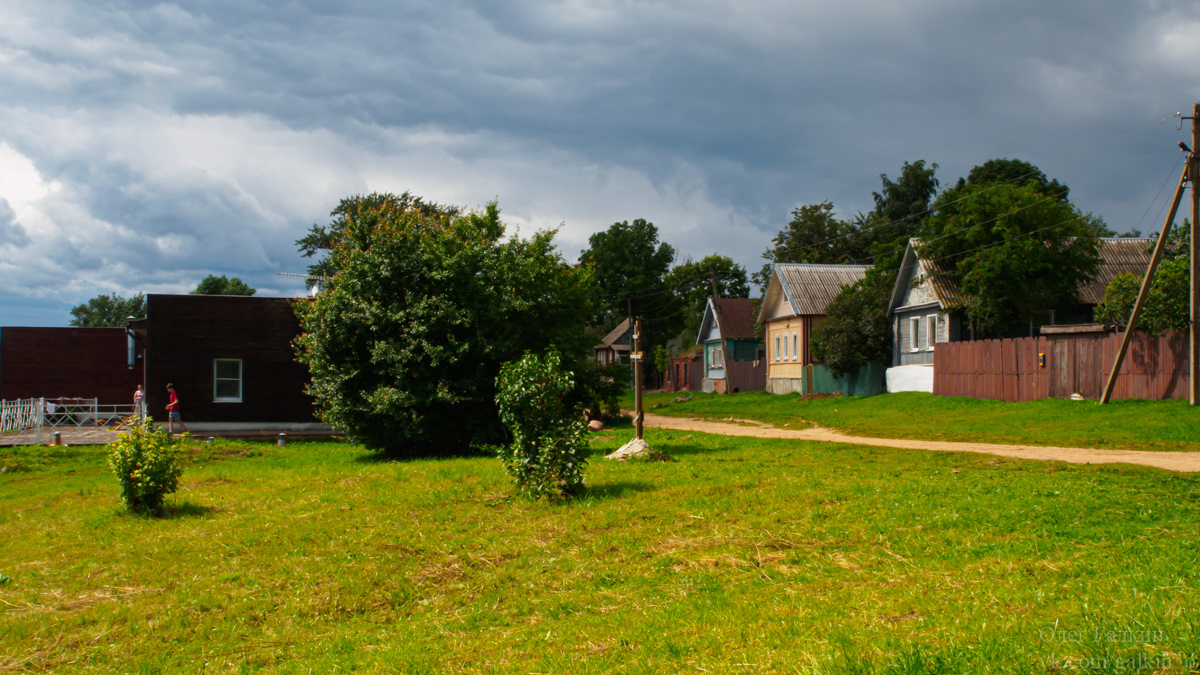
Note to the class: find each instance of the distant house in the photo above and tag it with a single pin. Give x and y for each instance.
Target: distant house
(926, 301)
(796, 298)
(614, 348)
(726, 335)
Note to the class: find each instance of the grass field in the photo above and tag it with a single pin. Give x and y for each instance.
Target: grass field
(1125, 424)
(742, 556)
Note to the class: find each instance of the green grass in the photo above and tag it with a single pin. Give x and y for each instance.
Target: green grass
(1124, 424)
(743, 556)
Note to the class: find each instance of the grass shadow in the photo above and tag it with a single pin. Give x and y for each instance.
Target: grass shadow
(184, 510)
(613, 490)
(385, 456)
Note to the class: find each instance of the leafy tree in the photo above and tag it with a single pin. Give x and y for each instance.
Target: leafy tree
(548, 449)
(816, 235)
(1014, 172)
(1167, 305)
(405, 342)
(1013, 253)
(902, 204)
(691, 284)
(108, 311)
(214, 285)
(628, 264)
(857, 328)
(321, 239)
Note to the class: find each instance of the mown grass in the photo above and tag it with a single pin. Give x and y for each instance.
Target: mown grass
(743, 556)
(1124, 424)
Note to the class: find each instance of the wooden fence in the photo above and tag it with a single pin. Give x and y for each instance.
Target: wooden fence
(745, 376)
(1009, 370)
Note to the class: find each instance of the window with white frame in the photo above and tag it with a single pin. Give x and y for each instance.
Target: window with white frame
(717, 358)
(914, 333)
(227, 380)
(795, 347)
(776, 347)
(931, 336)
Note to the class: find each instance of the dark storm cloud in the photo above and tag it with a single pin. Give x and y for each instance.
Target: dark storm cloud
(170, 141)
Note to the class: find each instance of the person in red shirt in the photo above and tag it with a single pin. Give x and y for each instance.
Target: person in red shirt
(173, 415)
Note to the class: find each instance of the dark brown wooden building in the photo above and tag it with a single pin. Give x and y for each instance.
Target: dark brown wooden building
(230, 358)
(68, 363)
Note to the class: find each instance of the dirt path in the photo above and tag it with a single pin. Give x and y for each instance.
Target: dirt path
(1185, 462)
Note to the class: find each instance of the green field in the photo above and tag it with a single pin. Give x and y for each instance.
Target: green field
(742, 556)
(1124, 424)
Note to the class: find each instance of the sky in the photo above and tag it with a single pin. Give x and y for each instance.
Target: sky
(146, 145)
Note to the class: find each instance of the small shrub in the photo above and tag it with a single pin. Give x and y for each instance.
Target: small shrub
(146, 466)
(549, 446)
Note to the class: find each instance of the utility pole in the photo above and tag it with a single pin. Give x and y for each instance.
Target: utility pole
(636, 357)
(1194, 339)
(1191, 173)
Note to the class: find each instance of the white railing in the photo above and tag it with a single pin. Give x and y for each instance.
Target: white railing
(59, 413)
(22, 414)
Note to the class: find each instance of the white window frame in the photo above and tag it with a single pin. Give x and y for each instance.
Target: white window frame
(777, 347)
(931, 338)
(795, 346)
(914, 335)
(240, 382)
(717, 358)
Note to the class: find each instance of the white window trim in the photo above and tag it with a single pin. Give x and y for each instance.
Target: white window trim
(240, 381)
(931, 337)
(914, 335)
(776, 347)
(717, 358)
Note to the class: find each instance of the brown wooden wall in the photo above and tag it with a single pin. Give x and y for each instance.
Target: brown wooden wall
(185, 333)
(70, 362)
(1007, 370)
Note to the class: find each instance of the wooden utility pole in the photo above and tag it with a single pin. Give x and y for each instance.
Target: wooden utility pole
(1190, 174)
(636, 357)
(1194, 339)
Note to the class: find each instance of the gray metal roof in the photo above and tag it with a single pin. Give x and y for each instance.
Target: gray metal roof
(1117, 255)
(810, 288)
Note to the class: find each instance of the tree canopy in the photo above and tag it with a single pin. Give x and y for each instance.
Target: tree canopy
(691, 284)
(108, 311)
(214, 285)
(857, 328)
(422, 307)
(628, 264)
(1014, 252)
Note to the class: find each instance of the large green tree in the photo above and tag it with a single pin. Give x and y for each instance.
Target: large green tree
(220, 285)
(421, 308)
(1015, 252)
(628, 264)
(691, 282)
(108, 311)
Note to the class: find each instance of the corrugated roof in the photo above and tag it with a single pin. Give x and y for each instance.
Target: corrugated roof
(735, 317)
(1117, 255)
(810, 288)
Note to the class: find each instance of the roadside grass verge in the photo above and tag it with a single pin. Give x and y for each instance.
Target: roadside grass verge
(1124, 424)
(743, 556)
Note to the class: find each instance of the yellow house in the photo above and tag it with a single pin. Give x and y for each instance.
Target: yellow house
(795, 301)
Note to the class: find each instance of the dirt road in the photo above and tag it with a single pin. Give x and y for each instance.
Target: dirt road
(1185, 462)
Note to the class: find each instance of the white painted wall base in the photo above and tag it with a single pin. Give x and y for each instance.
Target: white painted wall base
(253, 426)
(785, 385)
(910, 378)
